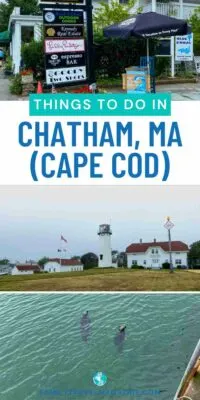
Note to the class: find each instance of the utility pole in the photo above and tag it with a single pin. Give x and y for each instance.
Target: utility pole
(169, 225)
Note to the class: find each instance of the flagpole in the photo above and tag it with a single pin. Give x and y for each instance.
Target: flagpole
(60, 248)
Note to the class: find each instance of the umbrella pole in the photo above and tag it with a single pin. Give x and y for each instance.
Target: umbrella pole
(148, 63)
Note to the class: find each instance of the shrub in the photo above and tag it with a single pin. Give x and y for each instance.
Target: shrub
(162, 66)
(196, 266)
(16, 85)
(166, 265)
(137, 267)
(8, 64)
(33, 56)
(112, 56)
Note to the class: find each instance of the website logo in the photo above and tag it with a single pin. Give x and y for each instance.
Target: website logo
(99, 379)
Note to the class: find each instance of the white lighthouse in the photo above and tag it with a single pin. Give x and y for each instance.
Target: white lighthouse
(105, 253)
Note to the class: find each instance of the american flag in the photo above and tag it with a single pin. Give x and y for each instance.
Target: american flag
(62, 238)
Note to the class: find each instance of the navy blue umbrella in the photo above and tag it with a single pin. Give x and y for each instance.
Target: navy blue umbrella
(148, 25)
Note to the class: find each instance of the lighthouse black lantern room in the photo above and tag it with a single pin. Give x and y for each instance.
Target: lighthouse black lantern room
(105, 254)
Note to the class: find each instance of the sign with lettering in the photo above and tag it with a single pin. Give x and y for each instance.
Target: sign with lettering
(53, 2)
(65, 75)
(65, 60)
(64, 31)
(64, 45)
(63, 17)
(184, 47)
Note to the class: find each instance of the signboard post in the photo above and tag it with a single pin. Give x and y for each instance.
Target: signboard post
(169, 225)
(68, 42)
(184, 48)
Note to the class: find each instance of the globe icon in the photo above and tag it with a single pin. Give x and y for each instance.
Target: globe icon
(99, 379)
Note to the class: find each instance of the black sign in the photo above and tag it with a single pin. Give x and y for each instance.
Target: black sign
(63, 17)
(63, 60)
(64, 31)
(62, 1)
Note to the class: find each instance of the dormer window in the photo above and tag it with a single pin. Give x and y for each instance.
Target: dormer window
(152, 251)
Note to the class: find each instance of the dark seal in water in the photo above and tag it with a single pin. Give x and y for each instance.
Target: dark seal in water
(120, 337)
(85, 326)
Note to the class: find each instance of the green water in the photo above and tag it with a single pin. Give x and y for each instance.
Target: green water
(42, 346)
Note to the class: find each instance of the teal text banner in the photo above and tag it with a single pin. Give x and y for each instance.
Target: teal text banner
(158, 104)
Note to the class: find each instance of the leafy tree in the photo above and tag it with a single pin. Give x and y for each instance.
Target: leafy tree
(194, 254)
(110, 13)
(194, 21)
(89, 260)
(27, 7)
(4, 261)
(42, 261)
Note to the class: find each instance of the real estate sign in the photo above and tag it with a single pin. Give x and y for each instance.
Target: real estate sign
(64, 31)
(184, 48)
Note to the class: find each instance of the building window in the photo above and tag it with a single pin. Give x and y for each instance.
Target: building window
(156, 251)
(54, 270)
(178, 262)
(152, 251)
(134, 262)
(155, 261)
(145, 262)
(101, 257)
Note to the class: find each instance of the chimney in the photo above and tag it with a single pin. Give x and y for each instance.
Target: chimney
(154, 240)
(140, 241)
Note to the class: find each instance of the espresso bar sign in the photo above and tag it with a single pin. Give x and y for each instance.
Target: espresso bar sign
(63, 17)
(64, 31)
(65, 75)
(65, 60)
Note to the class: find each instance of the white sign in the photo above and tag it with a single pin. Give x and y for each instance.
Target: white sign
(65, 75)
(64, 45)
(184, 47)
(169, 225)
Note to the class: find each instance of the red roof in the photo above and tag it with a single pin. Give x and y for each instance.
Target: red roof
(65, 261)
(28, 267)
(143, 247)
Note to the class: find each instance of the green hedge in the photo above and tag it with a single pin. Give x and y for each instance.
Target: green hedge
(166, 265)
(112, 56)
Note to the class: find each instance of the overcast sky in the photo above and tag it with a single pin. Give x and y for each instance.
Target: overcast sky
(33, 218)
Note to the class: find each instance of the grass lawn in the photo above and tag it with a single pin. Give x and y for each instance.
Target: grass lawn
(104, 280)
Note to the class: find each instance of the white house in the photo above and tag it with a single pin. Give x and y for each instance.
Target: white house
(154, 254)
(17, 23)
(63, 265)
(25, 269)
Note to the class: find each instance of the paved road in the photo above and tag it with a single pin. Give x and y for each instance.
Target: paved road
(4, 88)
(182, 91)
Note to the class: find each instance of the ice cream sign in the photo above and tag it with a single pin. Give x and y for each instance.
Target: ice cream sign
(64, 45)
(184, 47)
